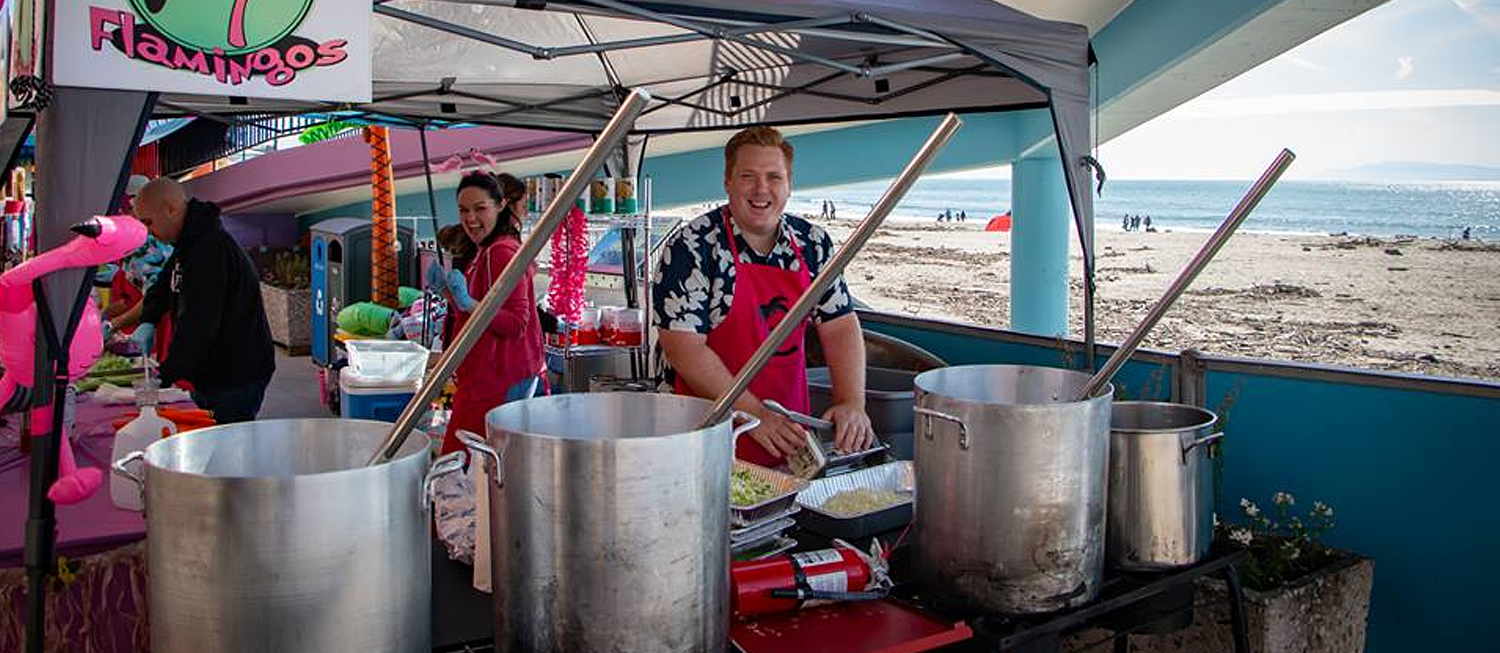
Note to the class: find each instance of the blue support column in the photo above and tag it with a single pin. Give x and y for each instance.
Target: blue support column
(1039, 247)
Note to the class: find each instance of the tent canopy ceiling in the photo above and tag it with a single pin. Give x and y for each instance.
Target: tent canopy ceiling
(710, 64)
(713, 65)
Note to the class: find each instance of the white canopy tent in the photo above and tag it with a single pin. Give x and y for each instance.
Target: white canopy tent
(714, 64)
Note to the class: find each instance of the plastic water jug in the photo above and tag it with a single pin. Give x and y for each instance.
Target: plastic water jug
(136, 436)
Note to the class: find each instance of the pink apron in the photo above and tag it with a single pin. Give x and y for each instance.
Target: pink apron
(762, 296)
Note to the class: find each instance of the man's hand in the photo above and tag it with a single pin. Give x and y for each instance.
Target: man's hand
(778, 435)
(852, 431)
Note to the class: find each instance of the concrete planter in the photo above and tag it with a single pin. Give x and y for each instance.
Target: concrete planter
(1323, 612)
(290, 315)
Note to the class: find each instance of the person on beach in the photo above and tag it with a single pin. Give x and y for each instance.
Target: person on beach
(1466, 233)
(1125, 223)
(962, 216)
(506, 362)
(728, 277)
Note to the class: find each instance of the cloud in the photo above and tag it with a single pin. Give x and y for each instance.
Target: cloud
(1487, 17)
(1403, 67)
(1304, 63)
(1206, 107)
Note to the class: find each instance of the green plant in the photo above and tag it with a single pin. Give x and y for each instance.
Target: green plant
(1282, 547)
(291, 270)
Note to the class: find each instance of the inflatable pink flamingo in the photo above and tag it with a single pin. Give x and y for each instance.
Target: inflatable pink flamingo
(101, 240)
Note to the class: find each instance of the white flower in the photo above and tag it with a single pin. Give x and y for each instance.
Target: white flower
(1251, 510)
(1285, 499)
(1321, 509)
(1216, 520)
(1241, 535)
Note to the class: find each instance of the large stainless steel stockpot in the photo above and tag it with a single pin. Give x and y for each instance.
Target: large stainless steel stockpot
(1011, 476)
(609, 523)
(1160, 485)
(274, 536)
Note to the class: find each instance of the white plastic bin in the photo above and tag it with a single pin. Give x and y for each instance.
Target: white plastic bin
(383, 364)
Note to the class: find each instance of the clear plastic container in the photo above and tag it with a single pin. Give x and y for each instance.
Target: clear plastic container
(628, 328)
(384, 363)
(608, 317)
(588, 327)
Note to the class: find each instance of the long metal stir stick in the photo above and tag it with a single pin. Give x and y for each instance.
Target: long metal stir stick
(835, 267)
(614, 132)
(1215, 242)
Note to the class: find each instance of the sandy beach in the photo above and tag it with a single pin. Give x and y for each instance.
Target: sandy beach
(1421, 306)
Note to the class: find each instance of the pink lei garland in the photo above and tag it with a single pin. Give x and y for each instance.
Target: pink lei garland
(570, 256)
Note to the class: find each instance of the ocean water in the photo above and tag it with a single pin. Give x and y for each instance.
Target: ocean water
(1427, 209)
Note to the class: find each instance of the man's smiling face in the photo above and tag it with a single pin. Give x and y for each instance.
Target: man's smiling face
(758, 185)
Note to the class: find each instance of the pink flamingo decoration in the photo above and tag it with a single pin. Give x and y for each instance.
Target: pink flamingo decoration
(483, 160)
(451, 164)
(100, 240)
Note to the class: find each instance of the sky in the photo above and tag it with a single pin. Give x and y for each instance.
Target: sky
(1411, 80)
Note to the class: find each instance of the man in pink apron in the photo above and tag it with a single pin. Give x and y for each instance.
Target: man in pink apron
(729, 276)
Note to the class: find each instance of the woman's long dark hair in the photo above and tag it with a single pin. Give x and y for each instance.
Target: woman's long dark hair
(502, 188)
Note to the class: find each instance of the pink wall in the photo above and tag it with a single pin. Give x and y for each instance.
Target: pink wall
(345, 162)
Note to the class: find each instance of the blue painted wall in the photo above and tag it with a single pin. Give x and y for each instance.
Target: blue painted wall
(1409, 474)
(863, 153)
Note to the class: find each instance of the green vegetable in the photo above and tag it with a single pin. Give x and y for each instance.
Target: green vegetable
(112, 365)
(747, 490)
(92, 383)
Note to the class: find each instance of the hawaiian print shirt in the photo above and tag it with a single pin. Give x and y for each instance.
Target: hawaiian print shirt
(695, 281)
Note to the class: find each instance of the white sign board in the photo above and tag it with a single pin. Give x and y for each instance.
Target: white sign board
(283, 49)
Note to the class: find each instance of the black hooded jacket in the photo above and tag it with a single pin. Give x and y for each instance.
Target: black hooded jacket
(220, 338)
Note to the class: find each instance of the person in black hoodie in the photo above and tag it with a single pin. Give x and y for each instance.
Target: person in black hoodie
(221, 342)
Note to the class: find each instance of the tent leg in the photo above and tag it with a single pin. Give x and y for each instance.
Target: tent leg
(83, 159)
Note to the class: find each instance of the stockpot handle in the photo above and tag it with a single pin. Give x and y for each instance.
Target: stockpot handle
(963, 429)
(121, 467)
(750, 422)
(1200, 442)
(443, 466)
(478, 446)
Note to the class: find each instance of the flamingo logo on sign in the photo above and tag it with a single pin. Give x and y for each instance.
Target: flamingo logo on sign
(234, 26)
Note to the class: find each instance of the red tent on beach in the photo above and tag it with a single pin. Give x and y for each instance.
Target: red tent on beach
(999, 223)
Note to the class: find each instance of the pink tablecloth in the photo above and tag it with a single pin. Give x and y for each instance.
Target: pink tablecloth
(100, 606)
(86, 527)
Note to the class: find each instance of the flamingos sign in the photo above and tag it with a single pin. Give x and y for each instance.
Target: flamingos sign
(290, 49)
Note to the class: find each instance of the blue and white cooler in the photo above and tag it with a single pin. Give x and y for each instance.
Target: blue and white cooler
(382, 377)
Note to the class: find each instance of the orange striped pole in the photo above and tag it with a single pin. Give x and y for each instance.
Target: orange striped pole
(385, 278)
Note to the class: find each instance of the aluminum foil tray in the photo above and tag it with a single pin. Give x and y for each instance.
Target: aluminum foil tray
(762, 532)
(896, 477)
(786, 485)
(766, 549)
(737, 532)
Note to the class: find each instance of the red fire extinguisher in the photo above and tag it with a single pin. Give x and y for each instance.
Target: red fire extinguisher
(785, 583)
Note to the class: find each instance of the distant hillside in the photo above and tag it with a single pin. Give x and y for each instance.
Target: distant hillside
(1414, 171)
